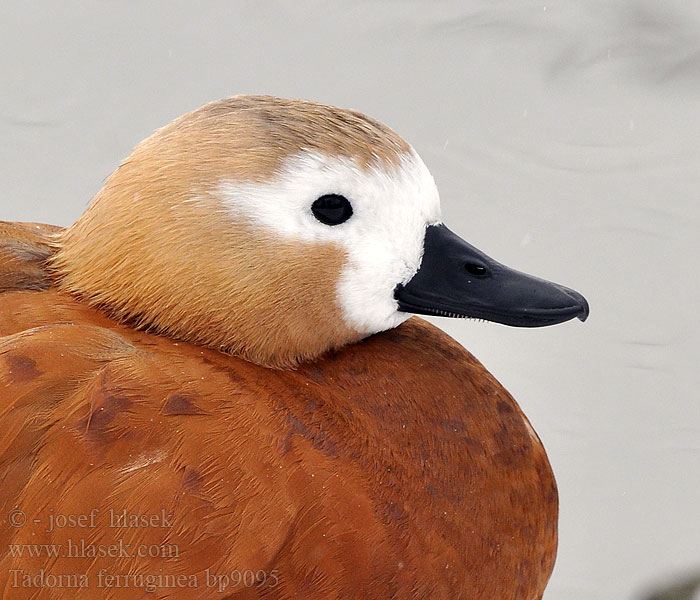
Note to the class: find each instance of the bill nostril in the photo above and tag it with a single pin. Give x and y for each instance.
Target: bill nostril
(476, 270)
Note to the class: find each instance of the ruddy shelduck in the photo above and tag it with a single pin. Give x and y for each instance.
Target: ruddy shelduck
(209, 387)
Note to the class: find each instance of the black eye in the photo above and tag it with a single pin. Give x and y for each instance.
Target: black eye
(332, 209)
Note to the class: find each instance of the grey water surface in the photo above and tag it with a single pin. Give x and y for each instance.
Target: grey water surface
(565, 139)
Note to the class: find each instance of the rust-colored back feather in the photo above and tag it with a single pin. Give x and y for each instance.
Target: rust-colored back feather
(396, 467)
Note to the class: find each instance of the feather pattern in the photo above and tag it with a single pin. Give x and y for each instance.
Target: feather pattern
(397, 467)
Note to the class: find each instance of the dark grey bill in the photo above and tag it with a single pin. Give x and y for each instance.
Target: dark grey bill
(457, 280)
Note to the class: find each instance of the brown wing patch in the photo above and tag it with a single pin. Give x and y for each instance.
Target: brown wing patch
(181, 404)
(24, 250)
(90, 434)
(20, 368)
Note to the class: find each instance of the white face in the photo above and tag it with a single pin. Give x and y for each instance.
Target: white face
(383, 238)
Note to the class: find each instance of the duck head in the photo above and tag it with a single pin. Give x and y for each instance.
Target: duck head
(279, 229)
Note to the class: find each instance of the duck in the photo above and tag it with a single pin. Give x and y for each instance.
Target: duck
(214, 383)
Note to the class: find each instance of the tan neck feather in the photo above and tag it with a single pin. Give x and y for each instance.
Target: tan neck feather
(204, 284)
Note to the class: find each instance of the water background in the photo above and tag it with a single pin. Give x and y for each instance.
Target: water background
(564, 138)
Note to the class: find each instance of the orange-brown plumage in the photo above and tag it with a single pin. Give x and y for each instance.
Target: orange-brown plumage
(394, 468)
(136, 350)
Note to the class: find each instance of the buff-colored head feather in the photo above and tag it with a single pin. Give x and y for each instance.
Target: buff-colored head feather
(158, 249)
